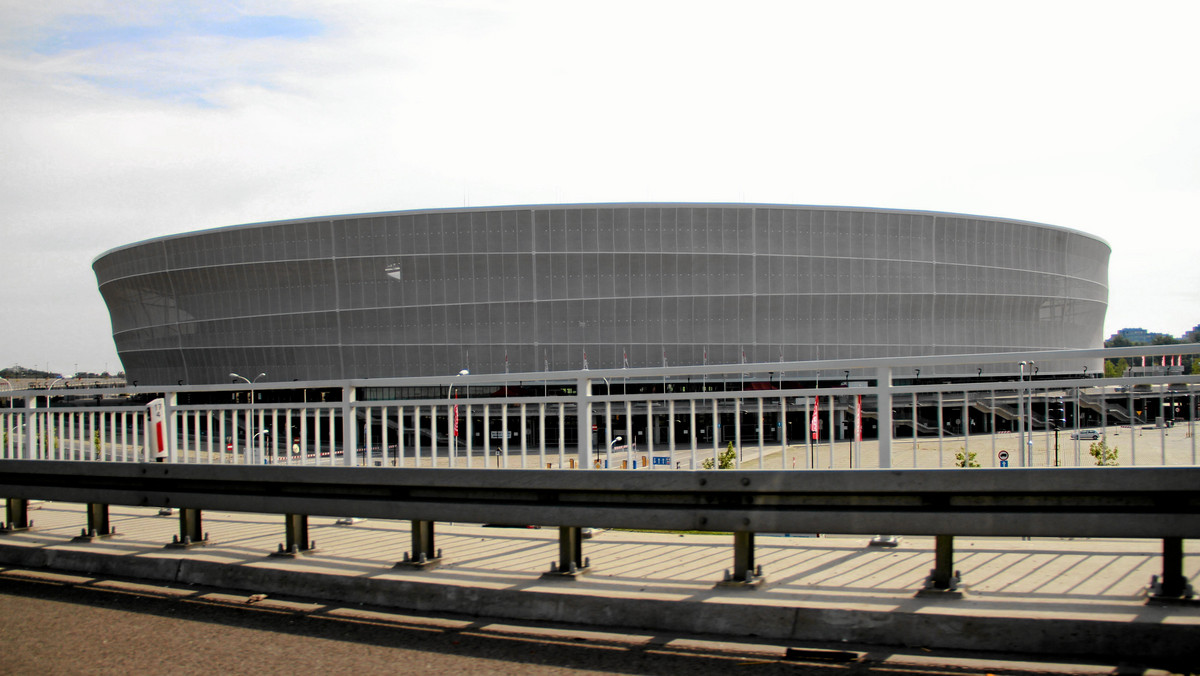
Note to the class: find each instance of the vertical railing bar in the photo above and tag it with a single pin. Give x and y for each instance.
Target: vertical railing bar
(369, 422)
(761, 432)
(504, 433)
(692, 429)
(402, 431)
(542, 435)
(333, 437)
(562, 434)
(468, 446)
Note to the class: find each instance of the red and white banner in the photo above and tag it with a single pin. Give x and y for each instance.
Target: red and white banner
(815, 425)
(858, 418)
(158, 416)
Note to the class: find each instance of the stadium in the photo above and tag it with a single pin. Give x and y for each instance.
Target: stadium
(563, 287)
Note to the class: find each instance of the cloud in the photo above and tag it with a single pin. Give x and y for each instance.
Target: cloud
(123, 121)
(175, 51)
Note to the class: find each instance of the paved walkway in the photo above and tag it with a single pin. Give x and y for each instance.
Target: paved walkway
(817, 588)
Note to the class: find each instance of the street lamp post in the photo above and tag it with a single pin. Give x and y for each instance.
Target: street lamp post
(1058, 424)
(454, 422)
(608, 450)
(250, 436)
(249, 382)
(1026, 446)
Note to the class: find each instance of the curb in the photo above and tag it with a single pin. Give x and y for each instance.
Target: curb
(1149, 638)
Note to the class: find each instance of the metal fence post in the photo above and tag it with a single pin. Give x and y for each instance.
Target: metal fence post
(883, 378)
(350, 426)
(171, 400)
(583, 420)
(30, 428)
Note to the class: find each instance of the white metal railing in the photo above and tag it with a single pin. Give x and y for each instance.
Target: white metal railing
(685, 416)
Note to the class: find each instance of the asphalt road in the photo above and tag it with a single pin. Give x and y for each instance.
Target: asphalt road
(71, 625)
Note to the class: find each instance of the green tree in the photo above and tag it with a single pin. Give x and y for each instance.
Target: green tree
(965, 459)
(726, 460)
(1110, 369)
(1105, 456)
(1119, 368)
(97, 443)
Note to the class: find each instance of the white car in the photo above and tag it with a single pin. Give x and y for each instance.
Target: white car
(1085, 434)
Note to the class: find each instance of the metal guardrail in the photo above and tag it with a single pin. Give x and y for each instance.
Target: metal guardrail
(1160, 503)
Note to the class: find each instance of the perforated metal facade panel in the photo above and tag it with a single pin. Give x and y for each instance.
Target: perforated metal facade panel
(536, 288)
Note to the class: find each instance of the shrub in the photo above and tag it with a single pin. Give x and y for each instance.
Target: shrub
(726, 460)
(1105, 456)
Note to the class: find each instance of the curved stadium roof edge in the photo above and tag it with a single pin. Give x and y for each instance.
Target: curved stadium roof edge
(589, 205)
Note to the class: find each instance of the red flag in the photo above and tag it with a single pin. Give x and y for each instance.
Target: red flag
(858, 418)
(815, 426)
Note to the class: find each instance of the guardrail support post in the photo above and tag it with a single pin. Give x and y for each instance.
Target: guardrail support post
(295, 529)
(424, 555)
(17, 511)
(744, 574)
(97, 523)
(1173, 586)
(943, 579)
(191, 531)
(570, 562)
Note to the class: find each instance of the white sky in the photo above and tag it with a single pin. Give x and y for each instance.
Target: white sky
(121, 121)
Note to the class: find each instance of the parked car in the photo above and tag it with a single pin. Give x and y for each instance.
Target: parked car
(1085, 434)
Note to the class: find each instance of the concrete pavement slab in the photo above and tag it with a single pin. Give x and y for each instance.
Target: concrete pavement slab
(1042, 595)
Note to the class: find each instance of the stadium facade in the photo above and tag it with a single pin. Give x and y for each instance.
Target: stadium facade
(559, 287)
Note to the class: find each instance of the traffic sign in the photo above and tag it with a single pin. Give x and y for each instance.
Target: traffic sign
(1003, 455)
(1004, 463)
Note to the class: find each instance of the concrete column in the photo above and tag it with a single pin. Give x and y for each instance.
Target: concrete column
(30, 427)
(583, 421)
(349, 426)
(883, 378)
